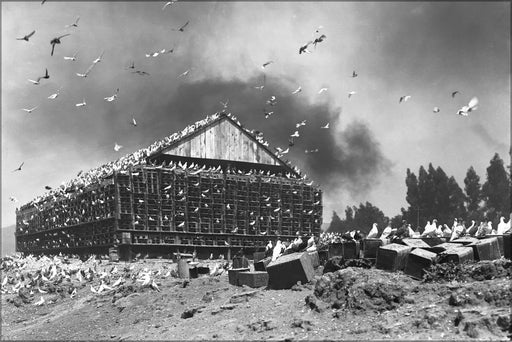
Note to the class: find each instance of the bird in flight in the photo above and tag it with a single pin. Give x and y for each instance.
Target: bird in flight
(404, 98)
(134, 123)
(140, 72)
(43, 1)
(319, 28)
(57, 41)
(298, 90)
(29, 110)
(54, 96)
(224, 104)
(322, 90)
(311, 151)
(272, 101)
(184, 73)
(267, 114)
(351, 93)
(19, 167)
(72, 58)
(319, 39)
(97, 60)
(267, 63)
(152, 54)
(87, 71)
(75, 24)
(27, 36)
(472, 105)
(295, 134)
(113, 97)
(354, 74)
(82, 104)
(304, 48)
(132, 66)
(169, 4)
(46, 75)
(302, 123)
(455, 93)
(259, 87)
(436, 110)
(326, 126)
(47, 187)
(182, 28)
(117, 147)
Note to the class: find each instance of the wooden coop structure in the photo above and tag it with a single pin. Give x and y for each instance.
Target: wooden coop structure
(237, 194)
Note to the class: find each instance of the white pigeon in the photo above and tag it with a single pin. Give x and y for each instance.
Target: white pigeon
(29, 110)
(117, 147)
(326, 126)
(277, 250)
(169, 3)
(436, 110)
(184, 73)
(372, 234)
(113, 97)
(502, 226)
(54, 96)
(72, 58)
(35, 82)
(39, 302)
(82, 104)
(472, 105)
(302, 123)
(295, 134)
(298, 90)
(322, 90)
(97, 60)
(351, 93)
(404, 98)
(385, 232)
(430, 230)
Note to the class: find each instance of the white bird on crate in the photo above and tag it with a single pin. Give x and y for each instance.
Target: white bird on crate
(502, 226)
(430, 229)
(277, 250)
(374, 232)
(386, 232)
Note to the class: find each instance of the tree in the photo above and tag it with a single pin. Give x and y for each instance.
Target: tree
(426, 193)
(366, 215)
(441, 207)
(456, 208)
(411, 181)
(473, 191)
(496, 190)
(336, 224)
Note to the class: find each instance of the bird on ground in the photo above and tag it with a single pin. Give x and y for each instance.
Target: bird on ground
(75, 24)
(97, 60)
(454, 93)
(140, 72)
(29, 110)
(26, 38)
(134, 123)
(72, 58)
(169, 3)
(19, 167)
(436, 110)
(54, 96)
(304, 48)
(184, 73)
(302, 123)
(113, 97)
(472, 105)
(295, 134)
(319, 39)
(182, 28)
(372, 234)
(298, 90)
(404, 98)
(354, 74)
(326, 126)
(351, 93)
(322, 90)
(82, 104)
(56, 40)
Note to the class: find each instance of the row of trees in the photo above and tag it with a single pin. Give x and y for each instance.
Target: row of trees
(432, 194)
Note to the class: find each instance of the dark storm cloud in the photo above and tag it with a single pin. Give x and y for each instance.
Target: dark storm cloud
(349, 160)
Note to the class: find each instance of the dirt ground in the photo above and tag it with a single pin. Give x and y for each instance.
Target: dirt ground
(349, 304)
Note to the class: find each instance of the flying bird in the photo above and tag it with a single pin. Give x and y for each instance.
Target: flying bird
(19, 167)
(224, 104)
(97, 60)
(182, 28)
(140, 72)
(152, 54)
(113, 97)
(117, 147)
(132, 66)
(75, 24)
(46, 75)
(72, 58)
(295, 134)
(54, 96)
(82, 104)
(319, 39)
(267, 114)
(134, 123)
(404, 98)
(47, 187)
(455, 93)
(29, 110)
(169, 4)
(272, 101)
(304, 48)
(302, 123)
(472, 105)
(298, 90)
(354, 74)
(13, 199)
(326, 126)
(57, 41)
(351, 93)
(436, 110)
(311, 151)
(27, 36)
(267, 63)
(319, 28)
(322, 90)
(184, 73)
(259, 87)
(87, 71)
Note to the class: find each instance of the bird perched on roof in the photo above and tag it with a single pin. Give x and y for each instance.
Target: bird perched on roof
(26, 38)
(472, 105)
(56, 40)
(404, 98)
(374, 232)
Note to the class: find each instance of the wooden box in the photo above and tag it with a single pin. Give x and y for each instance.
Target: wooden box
(465, 240)
(233, 275)
(351, 249)
(414, 243)
(240, 262)
(335, 249)
(506, 246)
(287, 270)
(457, 255)
(392, 257)
(370, 247)
(315, 260)
(262, 264)
(443, 247)
(257, 256)
(501, 242)
(253, 279)
(433, 241)
(417, 261)
(486, 249)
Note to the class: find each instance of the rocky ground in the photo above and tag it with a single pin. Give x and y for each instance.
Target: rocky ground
(454, 303)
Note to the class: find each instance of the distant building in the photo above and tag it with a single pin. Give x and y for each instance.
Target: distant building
(214, 188)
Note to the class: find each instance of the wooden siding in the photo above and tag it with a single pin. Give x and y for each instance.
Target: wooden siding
(223, 140)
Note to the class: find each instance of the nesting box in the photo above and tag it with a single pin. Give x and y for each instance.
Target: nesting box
(262, 264)
(414, 243)
(392, 257)
(443, 247)
(233, 275)
(501, 242)
(315, 259)
(486, 249)
(335, 249)
(370, 247)
(253, 279)
(433, 241)
(457, 255)
(257, 256)
(240, 262)
(506, 246)
(351, 249)
(465, 240)
(287, 270)
(417, 261)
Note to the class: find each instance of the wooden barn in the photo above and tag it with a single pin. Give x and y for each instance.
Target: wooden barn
(213, 188)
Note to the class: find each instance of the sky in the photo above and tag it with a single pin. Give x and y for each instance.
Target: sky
(426, 50)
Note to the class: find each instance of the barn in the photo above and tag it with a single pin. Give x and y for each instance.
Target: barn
(215, 187)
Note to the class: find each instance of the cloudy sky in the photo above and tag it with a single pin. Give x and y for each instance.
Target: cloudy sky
(425, 50)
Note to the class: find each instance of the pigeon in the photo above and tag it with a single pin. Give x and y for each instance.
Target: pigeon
(97, 60)
(354, 74)
(454, 93)
(117, 147)
(72, 58)
(326, 126)
(322, 90)
(57, 41)
(47, 187)
(81, 104)
(75, 24)
(184, 73)
(272, 101)
(502, 226)
(302, 123)
(182, 28)
(36, 82)
(113, 97)
(304, 48)
(295, 134)
(87, 71)
(152, 54)
(54, 96)
(224, 104)
(267, 114)
(134, 123)
(140, 72)
(373, 232)
(319, 39)
(132, 66)
(267, 63)
(19, 167)
(404, 98)
(436, 110)
(472, 105)
(46, 75)
(351, 93)
(311, 151)
(169, 4)
(291, 142)
(298, 90)
(27, 36)
(29, 110)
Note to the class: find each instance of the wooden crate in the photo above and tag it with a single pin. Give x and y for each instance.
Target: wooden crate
(414, 243)
(370, 247)
(233, 275)
(443, 247)
(486, 249)
(465, 240)
(287, 270)
(392, 257)
(433, 241)
(501, 242)
(262, 264)
(457, 255)
(417, 261)
(315, 259)
(253, 279)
